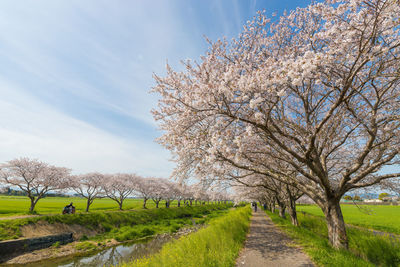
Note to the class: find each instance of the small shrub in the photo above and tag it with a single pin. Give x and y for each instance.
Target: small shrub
(127, 235)
(107, 226)
(174, 228)
(147, 231)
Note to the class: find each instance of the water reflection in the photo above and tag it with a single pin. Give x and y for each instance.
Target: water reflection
(111, 256)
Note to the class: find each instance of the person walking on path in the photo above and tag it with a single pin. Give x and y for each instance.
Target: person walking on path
(266, 245)
(255, 206)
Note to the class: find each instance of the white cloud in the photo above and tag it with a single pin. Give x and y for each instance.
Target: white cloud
(32, 128)
(89, 49)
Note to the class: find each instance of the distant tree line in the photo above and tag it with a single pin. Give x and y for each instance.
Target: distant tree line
(36, 180)
(8, 191)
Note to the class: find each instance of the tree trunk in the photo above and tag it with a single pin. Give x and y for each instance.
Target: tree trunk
(33, 204)
(191, 202)
(144, 203)
(336, 227)
(157, 204)
(282, 208)
(292, 212)
(120, 205)
(88, 205)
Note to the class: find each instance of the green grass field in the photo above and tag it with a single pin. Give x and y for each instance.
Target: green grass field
(379, 217)
(19, 205)
(365, 248)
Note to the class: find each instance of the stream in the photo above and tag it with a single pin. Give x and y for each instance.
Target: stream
(109, 256)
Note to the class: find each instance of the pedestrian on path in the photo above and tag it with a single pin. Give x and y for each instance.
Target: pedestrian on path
(255, 206)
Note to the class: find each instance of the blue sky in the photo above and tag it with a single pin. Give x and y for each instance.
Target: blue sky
(75, 75)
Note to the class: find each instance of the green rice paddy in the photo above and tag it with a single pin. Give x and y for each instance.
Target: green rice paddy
(379, 217)
(19, 205)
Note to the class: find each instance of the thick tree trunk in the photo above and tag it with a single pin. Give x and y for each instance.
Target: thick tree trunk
(157, 204)
(282, 212)
(33, 204)
(272, 206)
(282, 209)
(144, 203)
(120, 205)
(336, 227)
(87, 204)
(292, 212)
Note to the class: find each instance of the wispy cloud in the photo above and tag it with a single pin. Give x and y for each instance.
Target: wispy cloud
(32, 128)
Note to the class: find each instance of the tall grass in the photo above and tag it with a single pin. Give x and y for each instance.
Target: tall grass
(365, 248)
(216, 245)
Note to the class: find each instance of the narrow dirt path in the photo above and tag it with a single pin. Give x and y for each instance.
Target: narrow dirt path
(266, 245)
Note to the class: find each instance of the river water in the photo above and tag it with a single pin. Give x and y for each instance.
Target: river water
(110, 256)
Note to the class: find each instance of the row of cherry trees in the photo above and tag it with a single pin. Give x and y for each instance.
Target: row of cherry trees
(270, 192)
(309, 101)
(37, 178)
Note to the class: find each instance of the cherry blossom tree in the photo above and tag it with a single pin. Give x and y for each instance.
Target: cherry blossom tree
(197, 192)
(144, 189)
(119, 186)
(158, 189)
(89, 186)
(270, 191)
(33, 177)
(182, 190)
(170, 193)
(317, 90)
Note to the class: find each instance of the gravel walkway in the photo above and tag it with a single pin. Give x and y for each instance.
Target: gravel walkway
(267, 246)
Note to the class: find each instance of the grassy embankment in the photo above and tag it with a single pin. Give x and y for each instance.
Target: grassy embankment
(379, 217)
(19, 205)
(216, 245)
(122, 226)
(365, 249)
